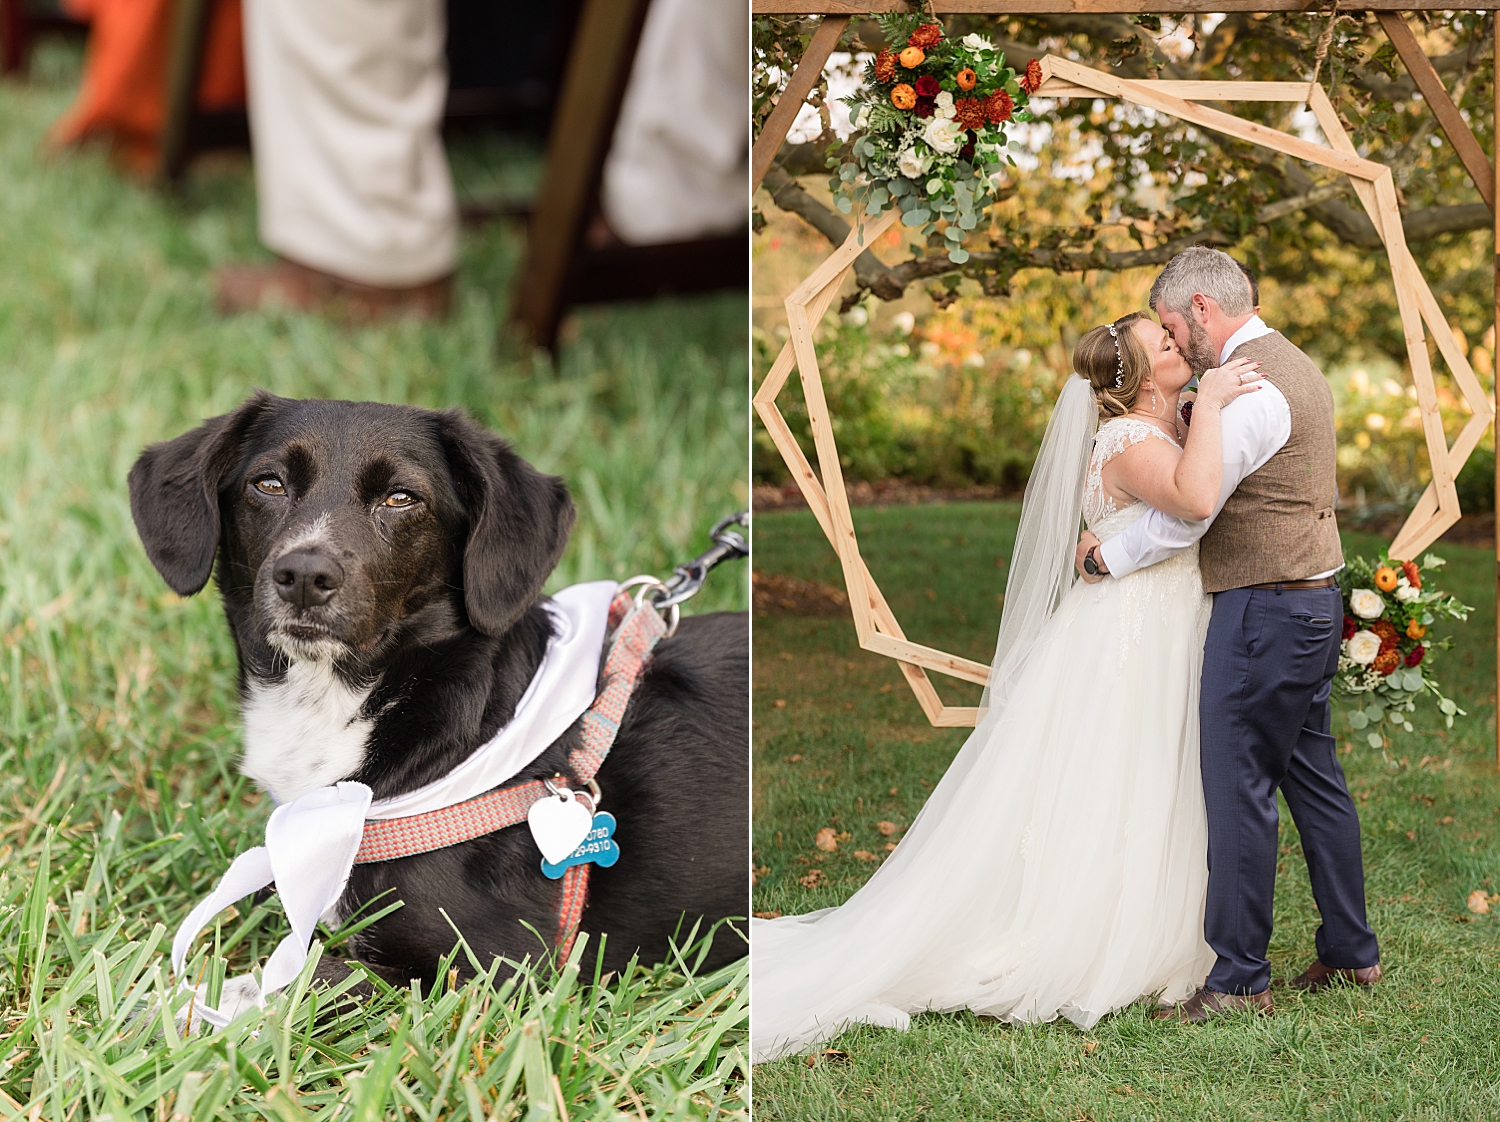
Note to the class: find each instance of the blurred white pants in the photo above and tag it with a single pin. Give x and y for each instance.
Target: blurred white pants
(346, 97)
(679, 166)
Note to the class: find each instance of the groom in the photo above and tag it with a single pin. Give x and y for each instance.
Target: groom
(1268, 554)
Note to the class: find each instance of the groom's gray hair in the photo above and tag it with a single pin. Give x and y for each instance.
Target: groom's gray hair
(1199, 269)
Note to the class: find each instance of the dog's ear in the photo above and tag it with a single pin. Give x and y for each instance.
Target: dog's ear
(519, 521)
(174, 495)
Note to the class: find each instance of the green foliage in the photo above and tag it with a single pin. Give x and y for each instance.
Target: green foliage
(118, 715)
(930, 420)
(849, 749)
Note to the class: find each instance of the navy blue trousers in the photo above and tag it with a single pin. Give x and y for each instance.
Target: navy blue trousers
(1268, 667)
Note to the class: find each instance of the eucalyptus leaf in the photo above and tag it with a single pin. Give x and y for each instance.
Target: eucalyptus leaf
(1357, 720)
(1375, 740)
(916, 216)
(958, 256)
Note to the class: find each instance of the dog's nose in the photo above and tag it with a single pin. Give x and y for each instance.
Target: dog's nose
(306, 577)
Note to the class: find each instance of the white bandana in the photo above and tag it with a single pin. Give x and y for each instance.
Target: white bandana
(311, 841)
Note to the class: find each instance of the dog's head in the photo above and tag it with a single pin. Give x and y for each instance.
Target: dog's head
(343, 528)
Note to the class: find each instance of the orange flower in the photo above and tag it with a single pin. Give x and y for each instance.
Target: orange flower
(998, 106)
(1386, 578)
(1033, 76)
(969, 112)
(1415, 630)
(1386, 661)
(925, 36)
(966, 79)
(903, 96)
(1413, 576)
(912, 57)
(885, 66)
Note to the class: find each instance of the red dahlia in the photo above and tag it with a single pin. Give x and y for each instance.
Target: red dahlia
(926, 36)
(926, 107)
(969, 112)
(998, 106)
(1389, 636)
(1351, 625)
(1417, 654)
(927, 86)
(1033, 76)
(885, 66)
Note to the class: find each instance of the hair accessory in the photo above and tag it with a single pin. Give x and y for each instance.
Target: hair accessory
(1114, 334)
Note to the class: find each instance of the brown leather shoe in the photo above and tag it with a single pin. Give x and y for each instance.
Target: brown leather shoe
(246, 288)
(1317, 977)
(1207, 1003)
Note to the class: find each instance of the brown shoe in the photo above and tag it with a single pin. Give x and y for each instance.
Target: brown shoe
(1317, 977)
(1207, 1003)
(247, 288)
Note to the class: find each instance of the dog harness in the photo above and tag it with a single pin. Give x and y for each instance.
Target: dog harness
(633, 630)
(313, 841)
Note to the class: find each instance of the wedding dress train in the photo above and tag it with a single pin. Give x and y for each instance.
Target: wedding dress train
(1060, 866)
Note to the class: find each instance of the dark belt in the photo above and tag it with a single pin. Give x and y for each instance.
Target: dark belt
(1281, 585)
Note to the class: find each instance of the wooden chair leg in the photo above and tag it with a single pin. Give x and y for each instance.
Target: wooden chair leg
(583, 125)
(184, 71)
(14, 37)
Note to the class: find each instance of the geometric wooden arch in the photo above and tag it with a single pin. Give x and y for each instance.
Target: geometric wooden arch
(1434, 512)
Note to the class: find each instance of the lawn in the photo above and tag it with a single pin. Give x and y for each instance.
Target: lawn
(119, 799)
(840, 742)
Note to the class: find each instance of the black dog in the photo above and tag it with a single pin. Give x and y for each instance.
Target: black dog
(381, 568)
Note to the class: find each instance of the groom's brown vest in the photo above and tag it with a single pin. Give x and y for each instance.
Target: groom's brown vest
(1279, 523)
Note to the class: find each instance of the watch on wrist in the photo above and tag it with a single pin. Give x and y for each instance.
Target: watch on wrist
(1090, 566)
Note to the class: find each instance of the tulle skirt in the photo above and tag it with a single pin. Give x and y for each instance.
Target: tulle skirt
(1059, 868)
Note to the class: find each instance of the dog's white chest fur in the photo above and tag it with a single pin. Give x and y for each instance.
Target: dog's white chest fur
(304, 731)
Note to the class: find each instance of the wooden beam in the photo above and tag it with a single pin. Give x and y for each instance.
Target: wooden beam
(184, 71)
(801, 83)
(1449, 119)
(1097, 7)
(583, 126)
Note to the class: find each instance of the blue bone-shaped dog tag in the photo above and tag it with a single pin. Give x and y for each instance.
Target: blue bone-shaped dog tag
(598, 846)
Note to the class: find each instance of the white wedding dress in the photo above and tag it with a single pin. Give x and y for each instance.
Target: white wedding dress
(1060, 867)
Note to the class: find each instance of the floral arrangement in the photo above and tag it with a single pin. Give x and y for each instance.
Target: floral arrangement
(930, 123)
(1385, 660)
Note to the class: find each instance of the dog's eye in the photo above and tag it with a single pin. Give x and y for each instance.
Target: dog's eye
(400, 499)
(270, 485)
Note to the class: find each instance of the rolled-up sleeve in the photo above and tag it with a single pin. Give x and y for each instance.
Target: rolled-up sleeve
(1254, 428)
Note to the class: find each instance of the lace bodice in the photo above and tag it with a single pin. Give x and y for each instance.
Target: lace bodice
(1114, 436)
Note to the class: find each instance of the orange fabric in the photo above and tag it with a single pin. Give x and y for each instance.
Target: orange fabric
(123, 94)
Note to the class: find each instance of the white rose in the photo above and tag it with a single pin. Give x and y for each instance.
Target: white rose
(1406, 593)
(945, 100)
(863, 118)
(1366, 603)
(978, 43)
(913, 164)
(944, 135)
(1363, 647)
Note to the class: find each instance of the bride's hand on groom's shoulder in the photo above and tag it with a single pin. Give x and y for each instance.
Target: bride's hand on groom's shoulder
(1223, 384)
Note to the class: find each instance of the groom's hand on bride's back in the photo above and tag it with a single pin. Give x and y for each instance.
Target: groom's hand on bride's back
(1086, 543)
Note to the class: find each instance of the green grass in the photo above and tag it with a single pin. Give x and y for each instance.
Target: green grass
(840, 742)
(119, 800)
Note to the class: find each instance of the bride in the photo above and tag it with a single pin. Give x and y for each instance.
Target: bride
(1060, 866)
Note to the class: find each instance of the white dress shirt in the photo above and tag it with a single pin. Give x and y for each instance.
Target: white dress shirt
(1254, 428)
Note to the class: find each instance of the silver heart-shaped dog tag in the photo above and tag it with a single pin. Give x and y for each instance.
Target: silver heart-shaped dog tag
(559, 825)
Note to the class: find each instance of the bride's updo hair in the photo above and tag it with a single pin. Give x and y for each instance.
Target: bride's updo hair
(1114, 364)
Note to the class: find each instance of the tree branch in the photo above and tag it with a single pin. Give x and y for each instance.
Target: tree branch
(997, 266)
(869, 270)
